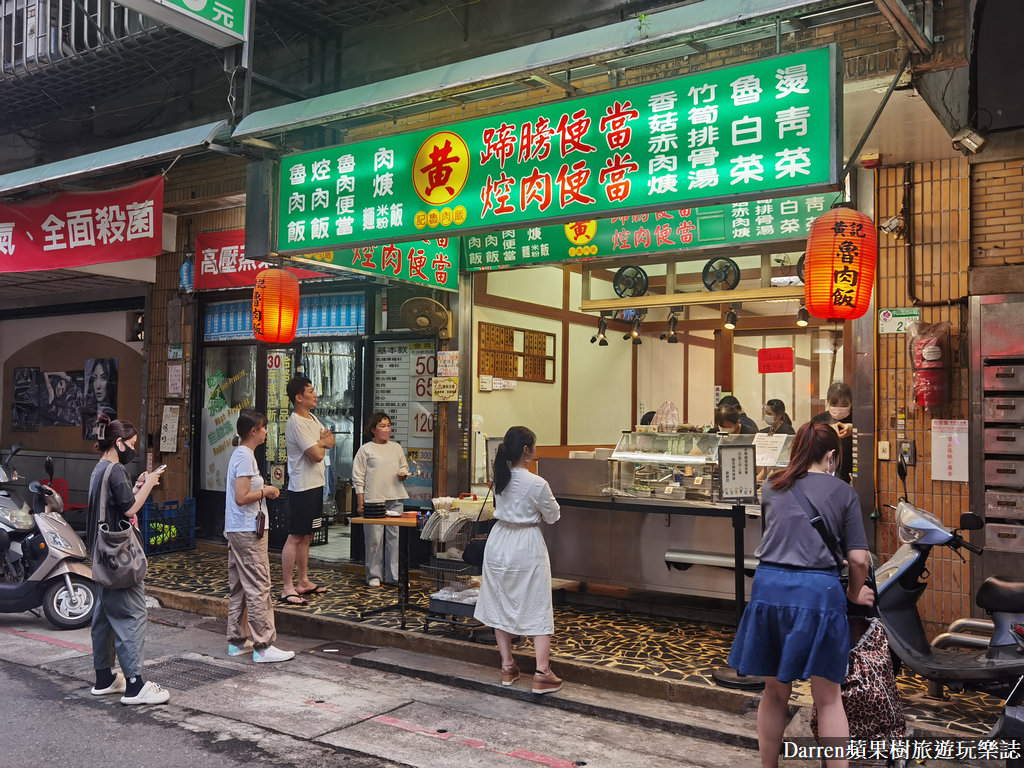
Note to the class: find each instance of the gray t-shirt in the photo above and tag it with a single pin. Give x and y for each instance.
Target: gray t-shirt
(790, 539)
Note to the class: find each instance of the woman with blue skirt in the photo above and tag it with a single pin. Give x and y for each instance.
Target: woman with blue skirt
(795, 626)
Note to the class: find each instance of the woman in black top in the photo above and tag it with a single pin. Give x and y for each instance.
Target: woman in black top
(777, 419)
(839, 415)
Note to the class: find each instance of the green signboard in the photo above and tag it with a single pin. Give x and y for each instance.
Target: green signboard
(760, 129)
(219, 22)
(433, 263)
(743, 223)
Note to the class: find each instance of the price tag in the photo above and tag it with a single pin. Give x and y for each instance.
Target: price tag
(422, 420)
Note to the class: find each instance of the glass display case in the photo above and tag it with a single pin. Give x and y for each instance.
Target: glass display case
(674, 466)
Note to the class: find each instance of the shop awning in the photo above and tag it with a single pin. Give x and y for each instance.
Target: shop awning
(635, 42)
(113, 159)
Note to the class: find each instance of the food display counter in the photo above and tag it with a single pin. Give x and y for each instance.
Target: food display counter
(652, 517)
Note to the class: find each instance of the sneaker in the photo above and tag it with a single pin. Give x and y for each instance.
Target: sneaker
(546, 683)
(270, 654)
(151, 693)
(509, 674)
(374, 582)
(118, 686)
(238, 650)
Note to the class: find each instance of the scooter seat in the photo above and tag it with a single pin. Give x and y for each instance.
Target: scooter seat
(1001, 595)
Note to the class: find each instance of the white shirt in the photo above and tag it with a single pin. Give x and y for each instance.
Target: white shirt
(526, 499)
(242, 518)
(301, 434)
(375, 472)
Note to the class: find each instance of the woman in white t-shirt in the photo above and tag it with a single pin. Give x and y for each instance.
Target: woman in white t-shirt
(378, 471)
(250, 609)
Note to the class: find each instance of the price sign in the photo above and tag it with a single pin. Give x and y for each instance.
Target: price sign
(422, 420)
(422, 388)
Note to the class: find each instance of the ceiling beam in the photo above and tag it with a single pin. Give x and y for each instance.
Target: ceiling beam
(708, 298)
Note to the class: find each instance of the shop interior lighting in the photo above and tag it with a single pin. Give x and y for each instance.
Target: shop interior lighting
(670, 334)
(602, 333)
(731, 318)
(803, 317)
(634, 332)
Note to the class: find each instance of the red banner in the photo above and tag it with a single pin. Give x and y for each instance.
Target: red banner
(775, 360)
(72, 229)
(221, 262)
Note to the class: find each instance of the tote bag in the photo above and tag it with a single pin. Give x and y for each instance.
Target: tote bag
(118, 558)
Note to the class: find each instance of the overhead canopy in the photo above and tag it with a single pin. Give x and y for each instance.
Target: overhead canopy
(113, 159)
(629, 43)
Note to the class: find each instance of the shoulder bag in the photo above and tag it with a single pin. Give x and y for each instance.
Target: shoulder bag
(261, 521)
(473, 554)
(118, 558)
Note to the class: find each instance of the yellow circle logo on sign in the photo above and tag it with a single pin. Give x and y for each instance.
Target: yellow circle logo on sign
(445, 388)
(581, 232)
(441, 168)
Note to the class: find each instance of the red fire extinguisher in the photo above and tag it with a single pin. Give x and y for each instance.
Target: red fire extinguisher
(930, 360)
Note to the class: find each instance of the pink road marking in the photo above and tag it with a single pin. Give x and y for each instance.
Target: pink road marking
(520, 754)
(50, 640)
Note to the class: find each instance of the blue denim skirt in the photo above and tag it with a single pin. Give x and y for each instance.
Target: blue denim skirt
(794, 627)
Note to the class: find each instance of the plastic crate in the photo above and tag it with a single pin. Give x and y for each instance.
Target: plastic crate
(279, 518)
(168, 527)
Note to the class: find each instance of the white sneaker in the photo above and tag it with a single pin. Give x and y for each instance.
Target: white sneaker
(272, 653)
(151, 693)
(238, 650)
(374, 582)
(117, 686)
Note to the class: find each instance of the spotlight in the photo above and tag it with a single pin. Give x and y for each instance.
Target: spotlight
(634, 332)
(969, 142)
(803, 316)
(670, 334)
(730, 320)
(602, 329)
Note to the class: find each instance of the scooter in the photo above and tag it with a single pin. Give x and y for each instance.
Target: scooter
(42, 559)
(997, 667)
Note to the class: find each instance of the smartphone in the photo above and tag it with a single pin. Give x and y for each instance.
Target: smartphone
(161, 468)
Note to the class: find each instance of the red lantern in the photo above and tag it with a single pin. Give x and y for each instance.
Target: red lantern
(275, 306)
(839, 268)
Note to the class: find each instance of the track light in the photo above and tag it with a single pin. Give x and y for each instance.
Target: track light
(602, 332)
(731, 318)
(803, 316)
(634, 331)
(670, 334)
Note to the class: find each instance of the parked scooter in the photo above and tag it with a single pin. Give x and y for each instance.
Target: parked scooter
(997, 667)
(42, 559)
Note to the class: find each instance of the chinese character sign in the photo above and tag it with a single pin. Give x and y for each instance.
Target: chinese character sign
(762, 128)
(221, 262)
(72, 229)
(228, 15)
(433, 263)
(643, 234)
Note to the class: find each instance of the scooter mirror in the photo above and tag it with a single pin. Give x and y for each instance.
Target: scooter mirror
(971, 521)
(48, 466)
(14, 449)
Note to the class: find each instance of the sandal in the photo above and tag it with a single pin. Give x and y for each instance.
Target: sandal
(316, 590)
(293, 599)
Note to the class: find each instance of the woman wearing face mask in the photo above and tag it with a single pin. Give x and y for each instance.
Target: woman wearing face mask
(120, 617)
(795, 626)
(839, 415)
(729, 419)
(777, 420)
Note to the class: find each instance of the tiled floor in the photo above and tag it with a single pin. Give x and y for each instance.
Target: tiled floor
(667, 648)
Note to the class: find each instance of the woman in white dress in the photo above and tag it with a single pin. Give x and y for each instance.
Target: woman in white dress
(515, 589)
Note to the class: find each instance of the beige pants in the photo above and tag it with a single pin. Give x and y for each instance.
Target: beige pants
(250, 607)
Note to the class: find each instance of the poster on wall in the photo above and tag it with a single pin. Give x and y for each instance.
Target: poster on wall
(100, 393)
(25, 406)
(62, 397)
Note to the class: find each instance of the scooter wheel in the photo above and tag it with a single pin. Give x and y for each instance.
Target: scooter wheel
(70, 609)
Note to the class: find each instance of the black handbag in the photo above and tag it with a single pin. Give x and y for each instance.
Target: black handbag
(473, 554)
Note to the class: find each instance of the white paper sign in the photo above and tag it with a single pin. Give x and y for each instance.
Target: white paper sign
(175, 379)
(768, 448)
(738, 466)
(950, 456)
(169, 429)
(448, 363)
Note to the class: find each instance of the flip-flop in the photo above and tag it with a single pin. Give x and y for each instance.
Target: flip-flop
(316, 590)
(294, 600)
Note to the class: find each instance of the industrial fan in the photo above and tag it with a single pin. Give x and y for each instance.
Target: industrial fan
(800, 267)
(630, 281)
(721, 274)
(426, 316)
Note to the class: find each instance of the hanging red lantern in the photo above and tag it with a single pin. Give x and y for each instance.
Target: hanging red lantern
(275, 306)
(839, 268)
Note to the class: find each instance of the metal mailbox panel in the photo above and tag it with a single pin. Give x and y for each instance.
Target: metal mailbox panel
(1004, 441)
(1004, 504)
(1005, 409)
(1004, 377)
(1006, 538)
(1007, 473)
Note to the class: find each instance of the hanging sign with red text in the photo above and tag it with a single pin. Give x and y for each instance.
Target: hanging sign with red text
(72, 229)
(221, 262)
(763, 128)
(775, 360)
(432, 263)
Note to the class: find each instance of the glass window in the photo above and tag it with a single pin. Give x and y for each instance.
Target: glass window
(229, 385)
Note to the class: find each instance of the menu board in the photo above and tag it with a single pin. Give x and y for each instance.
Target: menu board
(279, 373)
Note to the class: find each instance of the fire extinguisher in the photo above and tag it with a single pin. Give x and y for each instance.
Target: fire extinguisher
(929, 358)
